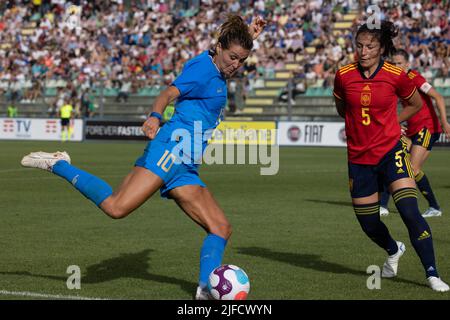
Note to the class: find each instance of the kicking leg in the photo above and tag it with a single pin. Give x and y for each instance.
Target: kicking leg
(136, 188)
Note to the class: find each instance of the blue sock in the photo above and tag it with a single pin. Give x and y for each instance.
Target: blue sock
(384, 199)
(418, 229)
(369, 218)
(425, 188)
(93, 188)
(210, 256)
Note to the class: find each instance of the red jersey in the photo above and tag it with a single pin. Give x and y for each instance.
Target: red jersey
(426, 117)
(371, 122)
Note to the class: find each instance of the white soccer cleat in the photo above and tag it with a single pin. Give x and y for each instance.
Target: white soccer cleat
(384, 212)
(432, 212)
(437, 284)
(390, 267)
(44, 160)
(202, 294)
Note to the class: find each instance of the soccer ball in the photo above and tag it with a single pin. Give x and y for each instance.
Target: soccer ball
(228, 282)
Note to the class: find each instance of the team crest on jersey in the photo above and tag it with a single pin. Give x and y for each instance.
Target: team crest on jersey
(366, 98)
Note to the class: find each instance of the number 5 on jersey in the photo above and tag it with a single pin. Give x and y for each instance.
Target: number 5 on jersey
(365, 116)
(398, 158)
(164, 161)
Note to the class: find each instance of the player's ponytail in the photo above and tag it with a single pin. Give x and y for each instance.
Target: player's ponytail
(384, 35)
(235, 30)
(388, 32)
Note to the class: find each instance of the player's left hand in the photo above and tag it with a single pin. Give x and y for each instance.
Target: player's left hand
(256, 27)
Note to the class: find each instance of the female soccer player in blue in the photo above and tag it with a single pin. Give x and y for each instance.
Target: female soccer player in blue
(200, 92)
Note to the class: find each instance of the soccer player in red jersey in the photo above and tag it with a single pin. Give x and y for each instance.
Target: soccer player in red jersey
(423, 129)
(366, 95)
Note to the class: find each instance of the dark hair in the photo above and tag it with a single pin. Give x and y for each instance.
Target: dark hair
(401, 52)
(235, 30)
(384, 35)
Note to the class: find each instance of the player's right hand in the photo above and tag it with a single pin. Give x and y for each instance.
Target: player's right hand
(150, 127)
(257, 26)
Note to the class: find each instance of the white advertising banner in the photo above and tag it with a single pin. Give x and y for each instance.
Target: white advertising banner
(38, 129)
(331, 134)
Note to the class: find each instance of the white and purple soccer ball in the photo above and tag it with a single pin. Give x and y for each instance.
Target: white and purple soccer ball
(228, 282)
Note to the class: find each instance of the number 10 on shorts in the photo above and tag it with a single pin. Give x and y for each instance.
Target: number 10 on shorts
(164, 161)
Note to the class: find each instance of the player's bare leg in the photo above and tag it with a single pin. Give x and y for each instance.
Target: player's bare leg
(136, 188)
(199, 204)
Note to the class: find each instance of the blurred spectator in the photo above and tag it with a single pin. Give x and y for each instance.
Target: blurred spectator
(299, 85)
(12, 111)
(87, 104)
(168, 112)
(256, 82)
(124, 90)
(150, 40)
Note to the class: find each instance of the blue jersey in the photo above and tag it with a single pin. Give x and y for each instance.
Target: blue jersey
(203, 94)
(198, 110)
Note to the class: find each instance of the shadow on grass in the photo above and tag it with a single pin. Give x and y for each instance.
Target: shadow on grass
(336, 203)
(343, 204)
(127, 265)
(310, 261)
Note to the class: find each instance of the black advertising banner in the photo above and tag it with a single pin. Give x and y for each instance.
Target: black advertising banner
(114, 130)
(443, 141)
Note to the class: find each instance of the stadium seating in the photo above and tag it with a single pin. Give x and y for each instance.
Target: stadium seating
(261, 103)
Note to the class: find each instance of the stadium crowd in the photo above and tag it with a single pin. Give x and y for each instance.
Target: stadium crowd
(132, 45)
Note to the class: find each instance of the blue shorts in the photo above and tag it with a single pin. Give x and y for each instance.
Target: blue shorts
(159, 159)
(425, 138)
(365, 180)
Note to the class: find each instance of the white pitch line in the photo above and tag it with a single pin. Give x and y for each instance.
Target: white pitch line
(47, 296)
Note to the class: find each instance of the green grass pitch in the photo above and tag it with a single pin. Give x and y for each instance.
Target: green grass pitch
(294, 233)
